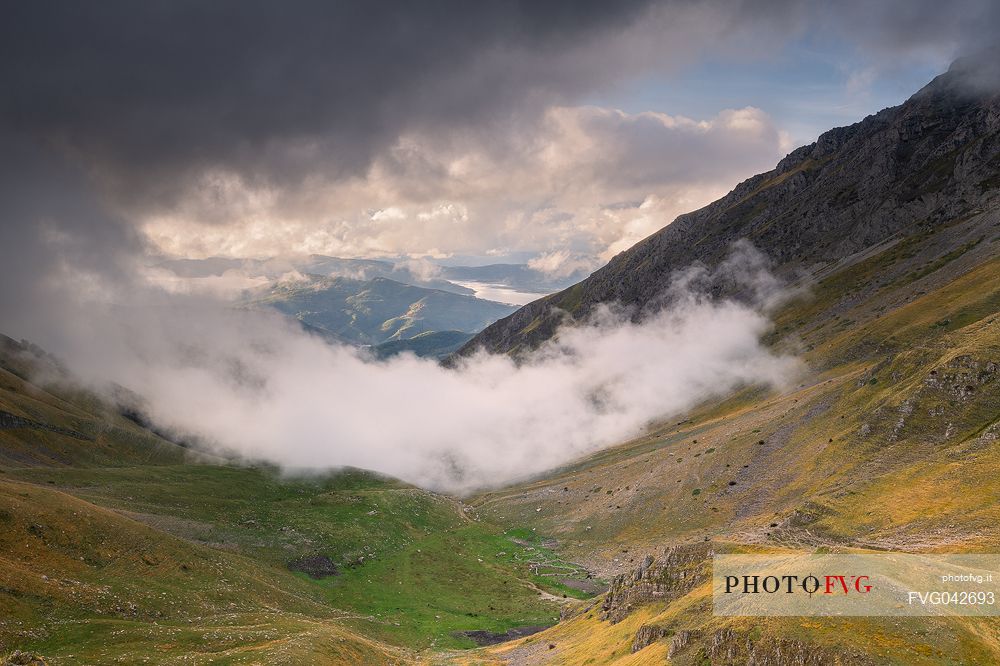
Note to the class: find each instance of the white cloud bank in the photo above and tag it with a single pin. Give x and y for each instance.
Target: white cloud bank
(257, 385)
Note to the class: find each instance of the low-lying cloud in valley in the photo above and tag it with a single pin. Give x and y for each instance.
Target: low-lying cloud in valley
(254, 384)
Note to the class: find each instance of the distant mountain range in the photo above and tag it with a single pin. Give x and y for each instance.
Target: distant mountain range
(515, 276)
(315, 264)
(371, 312)
(371, 301)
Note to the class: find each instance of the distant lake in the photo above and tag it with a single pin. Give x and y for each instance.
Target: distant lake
(500, 293)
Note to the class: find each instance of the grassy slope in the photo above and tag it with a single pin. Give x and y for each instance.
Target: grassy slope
(416, 569)
(887, 442)
(84, 585)
(105, 528)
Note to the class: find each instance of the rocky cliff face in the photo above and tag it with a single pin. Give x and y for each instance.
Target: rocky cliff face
(676, 573)
(679, 570)
(928, 161)
(728, 647)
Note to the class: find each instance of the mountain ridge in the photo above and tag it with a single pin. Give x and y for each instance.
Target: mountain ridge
(934, 157)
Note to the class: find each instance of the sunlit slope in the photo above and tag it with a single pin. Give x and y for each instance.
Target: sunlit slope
(684, 632)
(895, 413)
(412, 567)
(889, 440)
(219, 551)
(85, 585)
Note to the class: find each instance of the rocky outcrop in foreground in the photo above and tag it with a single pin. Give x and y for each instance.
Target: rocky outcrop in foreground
(676, 573)
(728, 647)
(679, 570)
(731, 647)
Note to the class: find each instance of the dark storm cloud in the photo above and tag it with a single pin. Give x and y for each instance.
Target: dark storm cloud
(53, 228)
(149, 94)
(896, 27)
(160, 89)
